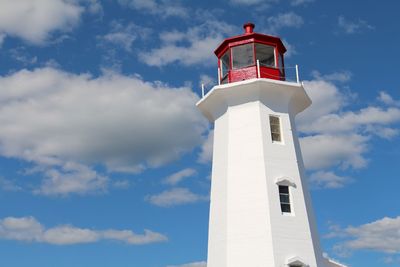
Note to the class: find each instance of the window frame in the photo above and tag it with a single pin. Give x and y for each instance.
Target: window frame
(224, 77)
(233, 57)
(280, 141)
(275, 64)
(288, 195)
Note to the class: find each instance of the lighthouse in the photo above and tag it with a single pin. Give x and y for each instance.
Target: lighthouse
(260, 209)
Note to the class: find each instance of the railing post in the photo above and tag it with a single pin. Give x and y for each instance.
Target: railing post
(219, 76)
(202, 90)
(258, 69)
(297, 74)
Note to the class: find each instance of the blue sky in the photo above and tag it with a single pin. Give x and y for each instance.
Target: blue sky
(105, 161)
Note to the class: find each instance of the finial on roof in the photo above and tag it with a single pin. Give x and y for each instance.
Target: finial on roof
(248, 27)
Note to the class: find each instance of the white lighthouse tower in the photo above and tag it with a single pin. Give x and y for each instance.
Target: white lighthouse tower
(260, 211)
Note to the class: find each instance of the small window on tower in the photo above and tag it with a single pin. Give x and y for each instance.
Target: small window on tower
(275, 125)
(284, 198)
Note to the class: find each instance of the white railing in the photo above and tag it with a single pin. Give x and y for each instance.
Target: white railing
(219, 76)
(291, 75)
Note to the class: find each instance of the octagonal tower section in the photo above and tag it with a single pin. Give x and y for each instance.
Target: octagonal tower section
(250, 55)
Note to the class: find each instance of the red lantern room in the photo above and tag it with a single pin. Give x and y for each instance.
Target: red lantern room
(250, 55)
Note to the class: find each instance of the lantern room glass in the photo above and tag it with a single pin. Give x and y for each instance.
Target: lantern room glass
(280, 62)
(266, 55)
(242, 56)
(225, 62)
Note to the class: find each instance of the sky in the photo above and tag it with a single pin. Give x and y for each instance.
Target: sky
(106, 161)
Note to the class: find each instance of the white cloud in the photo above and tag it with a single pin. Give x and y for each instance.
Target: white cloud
(351, 121)
(381, 235)
(172, 36)
(179, 176)
(51, 117)
(246, 2)
(94, 6)
(121, 184)
(139, 4)
(188, 48)
(340, 76)
(28, 229)
(160, 8)
(2, 37)
(21, 55)
(290, 49)
(327, 127)
(21, 229)
(9, 185)
(351, 27)
(326, 118)
(124, 39)
(71, 178)
(326, 99)
(207, 81)
(174, 197)
(124, 35)
(207, 148)
(388, 99)
(258, 5)
(322, 179)
(284, 20)
(326, 151)
(130, 237)
(40, 18)
(192, 264)
(300, 2)
(391, 260)
(68, 235)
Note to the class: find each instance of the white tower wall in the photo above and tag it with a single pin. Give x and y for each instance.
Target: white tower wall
(247, 227)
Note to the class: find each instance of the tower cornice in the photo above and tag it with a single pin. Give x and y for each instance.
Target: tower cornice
(289, 96)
